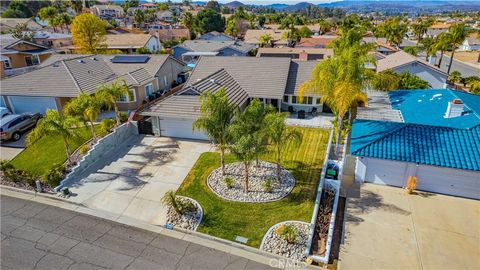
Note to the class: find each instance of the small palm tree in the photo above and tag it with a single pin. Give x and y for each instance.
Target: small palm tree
(54, 124)
(88, 107)
(109, 94)
(457, 36)
(280, 135)
(455, 76)
(265, 39)
(187, 20)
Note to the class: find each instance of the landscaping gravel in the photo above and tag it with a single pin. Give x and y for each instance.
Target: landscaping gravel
(189, 220)
(257, 176)
(276, 244)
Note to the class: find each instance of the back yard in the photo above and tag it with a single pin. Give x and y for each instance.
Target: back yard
(228, 219)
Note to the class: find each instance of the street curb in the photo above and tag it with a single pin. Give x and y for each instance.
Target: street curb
(44, 195)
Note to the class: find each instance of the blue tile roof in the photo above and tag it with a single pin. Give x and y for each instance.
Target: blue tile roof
(425, 137)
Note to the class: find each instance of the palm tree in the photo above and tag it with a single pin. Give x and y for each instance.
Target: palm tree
(455, 76)
(88, 107)
(187, 20)
(215, 119)
(244, 146)
(265, 39)
(108, 94)
(386, 80)
(428, 46)
(48, 14)
(442, 43)
(55, 124)
(457, 36)
(280, 135)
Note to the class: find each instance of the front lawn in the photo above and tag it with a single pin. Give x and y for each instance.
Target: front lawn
(40, 157)
(227, 219)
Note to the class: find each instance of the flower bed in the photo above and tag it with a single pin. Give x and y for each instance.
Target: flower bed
(257, 188)
(278, 241)
(188, 220)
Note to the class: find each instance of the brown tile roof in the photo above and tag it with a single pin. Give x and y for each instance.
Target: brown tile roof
(288, 50)
(252, 36)
(401, 58)
(315, 42)
(127, 40)
(169, 34)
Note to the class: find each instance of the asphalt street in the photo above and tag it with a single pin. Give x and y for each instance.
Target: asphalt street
(38, 236)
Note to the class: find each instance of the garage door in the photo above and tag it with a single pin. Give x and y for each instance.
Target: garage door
(449, 181)
(32, 104)
(386, 172)
(180, 128)
(2, 102)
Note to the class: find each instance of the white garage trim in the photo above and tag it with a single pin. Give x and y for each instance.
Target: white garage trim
(180, 128)
(24, 104)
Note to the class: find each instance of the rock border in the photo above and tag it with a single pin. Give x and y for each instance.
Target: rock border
(272, 228)
(199, 209)
(290, 188)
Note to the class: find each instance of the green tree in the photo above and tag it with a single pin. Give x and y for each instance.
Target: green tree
(457, 36)
(305, 32)
(428, 46)
(143, 50)
(20, 31)
(324, 27)
(88, 33)
(216, 115)
(187, 20)
(55, 124)
(261, 20)
(474, 87)
(386, 80)
(279, 135)
(412, 81)
(265, 40)
(208, 20)
(17, 9)
(455, 76)
(213, 5)
(232, 29)
(411, 50)
(139, 16)
(442, 43)
(393, 29)
(108, 94)
(48, 14)
(87, 107)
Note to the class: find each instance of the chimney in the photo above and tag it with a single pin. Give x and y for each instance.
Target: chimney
(454, 109)
(303, 56)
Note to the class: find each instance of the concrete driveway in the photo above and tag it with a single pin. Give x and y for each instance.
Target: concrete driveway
(133, 180)
(387, 229)
(10, 149)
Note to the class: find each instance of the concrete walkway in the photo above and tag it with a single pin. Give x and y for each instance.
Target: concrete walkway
(40, 236)
(133, 180)
(388, 229)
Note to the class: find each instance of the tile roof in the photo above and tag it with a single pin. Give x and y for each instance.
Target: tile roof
(399, 59)
(128, 40)
(320, 41)
(215, 46)
(300, 72)
(169, 34)
(289, 50)
(425, 136)
(252, 36)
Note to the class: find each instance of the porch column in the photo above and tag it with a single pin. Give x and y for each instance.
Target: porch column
(279, 105)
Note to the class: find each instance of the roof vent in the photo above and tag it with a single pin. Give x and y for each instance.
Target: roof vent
(214, 81)
(81, 61)
(94, 58)
(454, 109)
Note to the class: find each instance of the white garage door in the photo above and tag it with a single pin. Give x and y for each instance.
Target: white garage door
(180, 128)
(32, 104)
(461, 183)
(385, 172)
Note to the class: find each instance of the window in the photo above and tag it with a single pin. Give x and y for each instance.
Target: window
(7, 64)
(309, 100)
(126, 98)
(285, 99)
(149, 89)
(32, 60)
(165, 81)
(318, 100)
(294, 99)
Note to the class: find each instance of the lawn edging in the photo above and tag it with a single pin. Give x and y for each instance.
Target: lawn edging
(199, 208)
(103, 146)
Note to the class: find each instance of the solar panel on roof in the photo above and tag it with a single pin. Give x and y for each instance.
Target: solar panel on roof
(130, 59)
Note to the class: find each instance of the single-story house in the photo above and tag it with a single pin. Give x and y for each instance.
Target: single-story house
(252, 36)
(171, 34)
(273, 80)
(470, 44)
(65, 76)
(107, 12)
(296, 53)
(7, 24)
(129, 42)
(215, 36)
(190, 50)
(401, 61)
(315, 42)
(52, 40)
(165, 16)
(432, 135)
(437, 28)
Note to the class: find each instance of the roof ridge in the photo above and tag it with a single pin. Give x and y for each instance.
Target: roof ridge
(71, 74)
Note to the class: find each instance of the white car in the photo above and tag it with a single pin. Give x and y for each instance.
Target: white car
(4, 112)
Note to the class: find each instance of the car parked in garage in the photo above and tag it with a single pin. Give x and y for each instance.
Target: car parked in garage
(14, 125)
(4, 112)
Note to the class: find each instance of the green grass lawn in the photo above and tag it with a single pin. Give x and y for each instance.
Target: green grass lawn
(226, 219)
(40, 157)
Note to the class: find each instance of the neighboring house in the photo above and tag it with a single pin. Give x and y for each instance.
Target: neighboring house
(108, 12)
(252, 36)
(215, 36)
(315, 42)
(159, 25)
(7, 24)
(470, 44)
(171, 34)
(65, 76)
(53, 40)
(146, 6)
(129, 42)
(402, 61)
(437, 29)
(272, 80)
(432, 135)
(190, 50)
(382, 46)
(19, 56)
(296, 53)
(165, 16)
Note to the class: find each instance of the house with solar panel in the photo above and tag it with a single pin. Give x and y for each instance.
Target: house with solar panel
(64, 76)
(433, 135)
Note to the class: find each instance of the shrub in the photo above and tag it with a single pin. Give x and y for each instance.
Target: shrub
(411, 184)
(287, 232)
(180, 206)
(16, 175)
(54, 175)
(123, 117)
(106, 126)
(268, 185)
(84, 149)
(229, 182)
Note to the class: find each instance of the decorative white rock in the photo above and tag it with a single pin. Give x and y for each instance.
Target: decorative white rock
(275, 244)
(189, 220)
(257, 177)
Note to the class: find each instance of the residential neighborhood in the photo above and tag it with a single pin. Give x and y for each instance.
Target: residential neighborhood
(239, 135)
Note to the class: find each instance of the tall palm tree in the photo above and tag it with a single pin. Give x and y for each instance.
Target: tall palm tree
(187, 20)
(279, 135)
(428, 44)
(108, 94)
(457, 36)
(88, 107)
(55, 124)
(442, 44)
(48, 14)
(216, 115)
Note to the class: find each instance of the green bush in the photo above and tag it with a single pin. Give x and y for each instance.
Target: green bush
(84, 149)
(54, 175)
(287, 232)
(123, 117)
(268, 185)
(16, 175)
(180, 206)
(229, 182)
(106, 126)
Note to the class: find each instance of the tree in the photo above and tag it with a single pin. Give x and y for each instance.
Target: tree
(442, 43)
(87, 107)
(457, 36)
(63, 19)
(187, 20)
(280, 135)
(231, 28)
(386, 80)
(20, 31)
(419, 28)
(324, 27)
(428, 46)
(17, 9)
(411, 81)
(474, 87)
(55, 124)
(393, 29)
(139, 16)
(411, 50)
(143, 50)
(48, 14)
(88, 33)
(261, 20)
(208, 20)
(455, 76)
(265, 39)
(305, 32)
(109, 94)
(213, 5)
(216, 115)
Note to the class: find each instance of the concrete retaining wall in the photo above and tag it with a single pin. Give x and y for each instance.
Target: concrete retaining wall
(100, 149)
